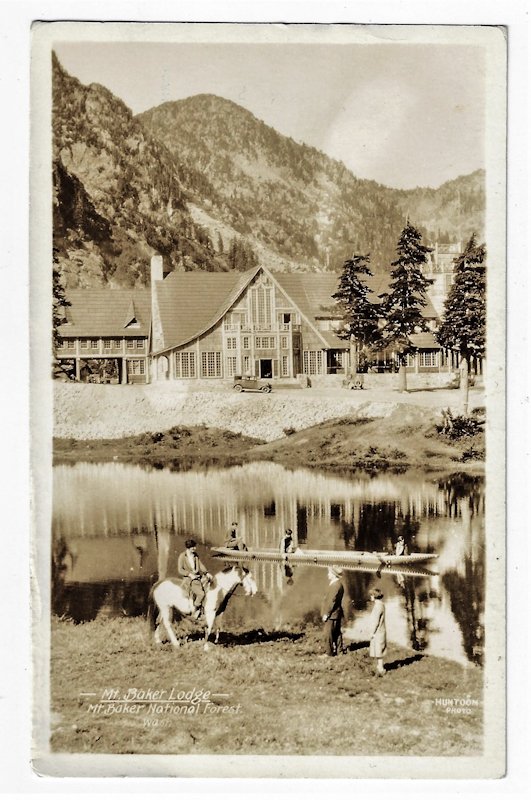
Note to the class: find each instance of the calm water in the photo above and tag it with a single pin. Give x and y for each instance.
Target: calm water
(117, 528)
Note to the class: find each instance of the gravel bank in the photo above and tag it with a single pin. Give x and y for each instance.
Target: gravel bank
(85, 411)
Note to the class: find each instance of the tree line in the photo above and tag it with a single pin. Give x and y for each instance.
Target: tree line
(396, 315)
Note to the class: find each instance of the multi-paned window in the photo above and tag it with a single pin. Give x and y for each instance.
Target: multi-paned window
(139, 343)
(313, 362)
(231, 343)
(117, 344)
(231, 366)
(429, 358)
(284, 342)
(262, 307)
(285, 366)
(136, 366)
(185, 365)
(246, 343)
(211, 364)
(68, 344)
(264, 342)
(246, 364)
(83, 343)
(107, 344)
(130, 344)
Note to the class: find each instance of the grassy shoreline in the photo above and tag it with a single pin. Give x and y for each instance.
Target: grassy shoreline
(284, 698)
(347, 443)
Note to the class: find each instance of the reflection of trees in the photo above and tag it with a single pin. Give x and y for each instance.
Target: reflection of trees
(357, 585)
(82, 602)
(466, 583)
(466, 601)
(416, 599)
(379, 525)
(461, 486)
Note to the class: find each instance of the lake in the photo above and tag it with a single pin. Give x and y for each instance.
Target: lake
(118, 528)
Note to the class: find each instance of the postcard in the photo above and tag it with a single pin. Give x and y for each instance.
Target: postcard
(267, 359)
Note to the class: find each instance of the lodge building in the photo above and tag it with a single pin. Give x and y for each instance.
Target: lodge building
(204, 325)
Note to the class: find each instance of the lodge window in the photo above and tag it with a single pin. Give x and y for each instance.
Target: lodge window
(284, 342)
(68, 344)
(429, 358)
(231, 343)
(107, 344)
(118, 344)
(285, 366)
(83, 343)
(264, 342)
(139, 344)
(130, 344)
(231, 366)
(261, 307)
(185, 365)
(246, 342)
(313, 362)
(211, 364)
(247, 364)
(136, 366)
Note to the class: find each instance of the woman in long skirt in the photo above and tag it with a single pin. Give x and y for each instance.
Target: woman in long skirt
(377, 631)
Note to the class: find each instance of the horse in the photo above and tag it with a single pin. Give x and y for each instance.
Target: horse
(167, 596)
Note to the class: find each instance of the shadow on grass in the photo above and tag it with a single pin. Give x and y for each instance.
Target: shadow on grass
(357, 646)
(227, 639)
(428, 389)
(403, 662)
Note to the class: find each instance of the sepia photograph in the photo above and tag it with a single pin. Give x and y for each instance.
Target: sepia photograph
(268, 288)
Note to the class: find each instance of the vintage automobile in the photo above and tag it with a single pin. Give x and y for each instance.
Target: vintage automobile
(250, 383)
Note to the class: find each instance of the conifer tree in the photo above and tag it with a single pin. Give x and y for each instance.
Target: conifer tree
(59, 305)
(463, 325)
(360, 314)
(403, 304)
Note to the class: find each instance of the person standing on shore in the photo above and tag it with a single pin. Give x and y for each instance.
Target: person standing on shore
(377, 631)
(332, 611)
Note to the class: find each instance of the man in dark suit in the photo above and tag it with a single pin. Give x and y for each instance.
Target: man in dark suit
(195, 575)
(332, 610)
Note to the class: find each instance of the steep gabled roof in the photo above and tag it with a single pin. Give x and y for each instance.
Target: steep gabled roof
(106, 312)
(190, 303)
(424, 341)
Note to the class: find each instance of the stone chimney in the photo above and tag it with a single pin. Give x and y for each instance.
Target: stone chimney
(157, 274)
(157, 269)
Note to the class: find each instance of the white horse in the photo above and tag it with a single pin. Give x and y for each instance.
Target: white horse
(167, 597)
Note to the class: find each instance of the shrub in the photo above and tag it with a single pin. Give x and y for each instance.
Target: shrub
(473, 454)
(459, 426)
(289, 431)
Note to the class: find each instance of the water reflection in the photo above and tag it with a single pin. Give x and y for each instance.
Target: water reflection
(117, 528)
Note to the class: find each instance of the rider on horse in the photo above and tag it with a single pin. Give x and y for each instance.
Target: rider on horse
(194, 574)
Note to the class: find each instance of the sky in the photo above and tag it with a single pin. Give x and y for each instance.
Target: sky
(404, 115)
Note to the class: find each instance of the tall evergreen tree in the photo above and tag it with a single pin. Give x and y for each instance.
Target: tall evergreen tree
(360, 314)
(464, 319)
(403, 304)
(59, 305)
